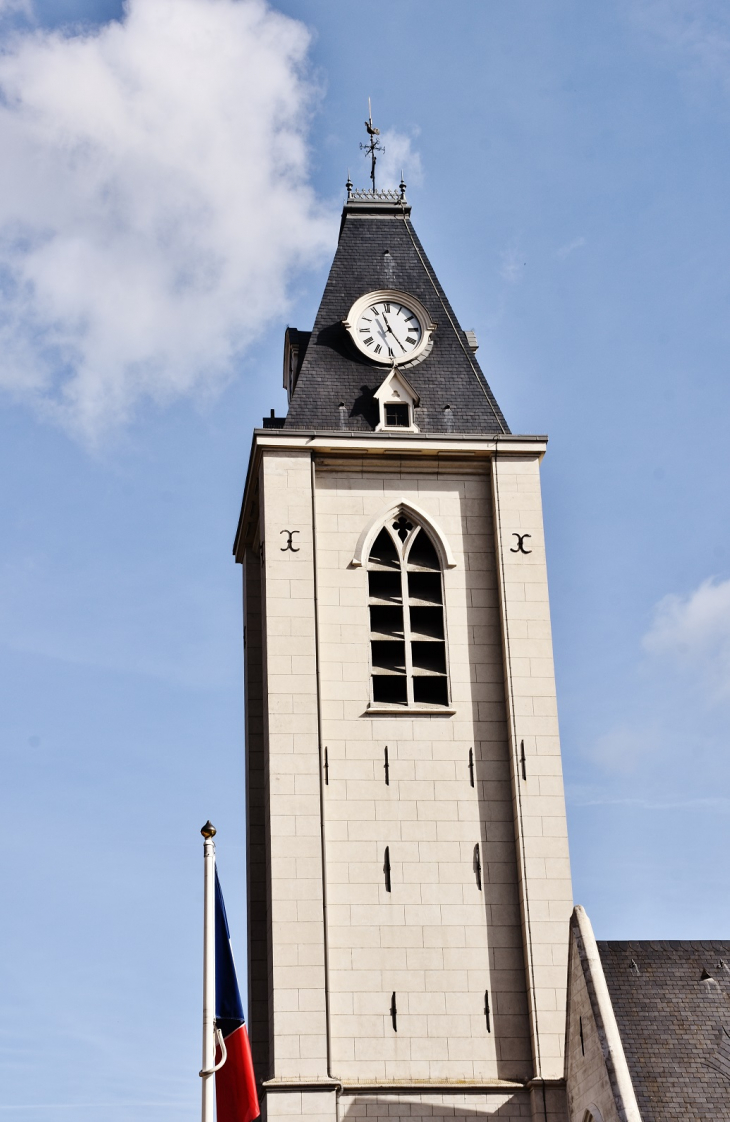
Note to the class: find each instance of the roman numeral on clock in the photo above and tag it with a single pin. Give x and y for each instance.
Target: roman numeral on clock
(369, 341)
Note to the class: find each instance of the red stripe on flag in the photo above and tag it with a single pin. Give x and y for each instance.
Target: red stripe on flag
(236, 1097)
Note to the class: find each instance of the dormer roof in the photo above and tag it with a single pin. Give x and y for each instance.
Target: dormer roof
(395, 385)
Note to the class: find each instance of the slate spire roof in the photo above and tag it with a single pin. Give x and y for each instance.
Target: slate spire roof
(379, 249)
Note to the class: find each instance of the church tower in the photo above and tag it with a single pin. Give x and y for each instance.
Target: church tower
(409, 886)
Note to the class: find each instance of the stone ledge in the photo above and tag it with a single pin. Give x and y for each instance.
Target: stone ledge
(414, 711)
(426, 1087)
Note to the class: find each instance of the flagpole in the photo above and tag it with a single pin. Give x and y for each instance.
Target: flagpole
(208, 1106)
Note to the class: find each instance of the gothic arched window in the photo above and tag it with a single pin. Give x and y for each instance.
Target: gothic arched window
(407, 634)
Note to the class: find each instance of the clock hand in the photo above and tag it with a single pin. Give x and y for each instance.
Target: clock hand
(382, 333)
(392, 332)
(384, 336)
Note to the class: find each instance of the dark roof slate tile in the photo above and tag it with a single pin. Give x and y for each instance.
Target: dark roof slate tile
(378, 249)
(674, 1026)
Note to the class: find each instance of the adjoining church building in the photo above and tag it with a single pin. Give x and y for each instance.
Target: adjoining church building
(413, 947)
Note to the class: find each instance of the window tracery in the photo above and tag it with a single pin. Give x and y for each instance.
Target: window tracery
(406, 606)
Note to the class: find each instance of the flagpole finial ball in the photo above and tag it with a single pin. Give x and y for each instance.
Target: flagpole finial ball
(208, 830)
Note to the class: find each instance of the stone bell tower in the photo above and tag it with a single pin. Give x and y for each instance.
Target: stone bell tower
(408, 876)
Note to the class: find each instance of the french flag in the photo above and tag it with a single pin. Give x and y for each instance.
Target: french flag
(236, 1098)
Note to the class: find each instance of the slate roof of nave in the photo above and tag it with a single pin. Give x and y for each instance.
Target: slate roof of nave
(674, 1025)
(378, 249)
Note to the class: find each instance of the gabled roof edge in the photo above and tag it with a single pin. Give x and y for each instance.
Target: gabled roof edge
(584, 942)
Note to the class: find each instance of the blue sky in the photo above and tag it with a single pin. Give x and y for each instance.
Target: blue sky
(169, 206)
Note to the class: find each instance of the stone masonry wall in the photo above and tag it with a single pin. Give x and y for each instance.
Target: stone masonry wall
(436, 1107)
(452, 952)
(537, 782)
(435, 940)
(257, 901)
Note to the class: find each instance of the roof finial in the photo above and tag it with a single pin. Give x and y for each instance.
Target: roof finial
(373, 144)
(402, 186)
(348, 185)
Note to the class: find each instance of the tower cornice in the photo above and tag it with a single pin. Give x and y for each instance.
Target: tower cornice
(398, 442)
(451, 446)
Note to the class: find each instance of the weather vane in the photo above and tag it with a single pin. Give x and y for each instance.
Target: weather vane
(373, 144)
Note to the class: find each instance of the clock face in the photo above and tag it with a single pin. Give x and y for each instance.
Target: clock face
(387, 330)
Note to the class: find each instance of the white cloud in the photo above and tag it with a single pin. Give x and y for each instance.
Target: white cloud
(624, 746)
(398, 156)
(16, 7)
(585, 795)
(566, 250)
(154, 203)
(693, 632)
(696, 32)
(674, 715)
(512, 264)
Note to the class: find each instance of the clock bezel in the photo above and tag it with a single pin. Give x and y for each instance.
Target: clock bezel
(413, 304)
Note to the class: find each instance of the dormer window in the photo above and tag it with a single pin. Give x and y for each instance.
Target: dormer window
(397, 415)
(397, 400)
